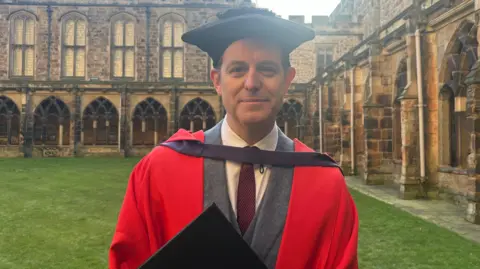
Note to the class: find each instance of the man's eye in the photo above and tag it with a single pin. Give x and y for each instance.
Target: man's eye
(237, 69)
(268, 71)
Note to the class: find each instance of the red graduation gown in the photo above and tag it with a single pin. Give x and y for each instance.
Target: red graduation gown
(162, 197)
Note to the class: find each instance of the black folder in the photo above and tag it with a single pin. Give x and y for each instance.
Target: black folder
(209, 242)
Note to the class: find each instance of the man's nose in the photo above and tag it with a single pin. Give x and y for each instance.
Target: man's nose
(253, 80)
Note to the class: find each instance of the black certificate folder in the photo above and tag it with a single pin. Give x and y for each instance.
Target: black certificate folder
(209, 242)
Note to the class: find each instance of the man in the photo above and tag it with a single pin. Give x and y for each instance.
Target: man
(300, 217)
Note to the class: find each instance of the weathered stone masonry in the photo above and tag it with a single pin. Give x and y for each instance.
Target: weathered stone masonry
(96, 110)
(412, 52)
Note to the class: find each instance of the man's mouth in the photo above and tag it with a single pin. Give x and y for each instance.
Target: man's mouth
(253, 100)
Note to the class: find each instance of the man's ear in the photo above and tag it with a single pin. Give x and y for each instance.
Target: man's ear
(215, 77)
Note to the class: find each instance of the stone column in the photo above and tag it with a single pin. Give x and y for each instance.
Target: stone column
(94, 123)
(125, 122)
(27, 123)
(9, 127)
(173, 107)
(409, 179)
(155, 134)
(77, 132)
(60, 132)
(374, 121)
(473, 117)
(345, 116)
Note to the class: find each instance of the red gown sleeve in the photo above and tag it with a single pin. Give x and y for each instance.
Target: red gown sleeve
(134, 237)
(343, 248)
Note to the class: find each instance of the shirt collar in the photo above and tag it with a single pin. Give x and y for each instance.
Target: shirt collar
(230, 138)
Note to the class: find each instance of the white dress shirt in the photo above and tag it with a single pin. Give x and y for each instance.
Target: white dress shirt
(230, 138)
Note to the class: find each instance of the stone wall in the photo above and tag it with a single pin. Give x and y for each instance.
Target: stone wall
(344, 45)
(375, 88)
(304, 59)
(369, 12)
(391, 8)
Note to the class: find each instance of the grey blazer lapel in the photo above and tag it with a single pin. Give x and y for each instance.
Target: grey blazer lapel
(270, 220)
(215, 178)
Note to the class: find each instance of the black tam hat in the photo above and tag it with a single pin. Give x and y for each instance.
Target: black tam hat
(239, 23)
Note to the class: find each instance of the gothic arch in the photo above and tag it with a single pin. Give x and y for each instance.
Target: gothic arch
(124, 14)
(51, 122)
(171, 50)
(25, 11)
(74, 14)
(459, 59)
(22, 43)
(171, 16)
(149, 123)
(289, 118)
(460, 56)
(197, 115)
(9, 122)
(100, 123)
(73, 42)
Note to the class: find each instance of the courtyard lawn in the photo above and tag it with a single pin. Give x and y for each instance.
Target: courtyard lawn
(60, 213)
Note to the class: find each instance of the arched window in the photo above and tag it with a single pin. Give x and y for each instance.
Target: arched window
(22, 44)
(100, 123)
(123, 46)
(149, 123)
(74, 40)
(172, 27)
(289, 117)
(460, 57)
(197, 115)
(51, 123)
(9, 122)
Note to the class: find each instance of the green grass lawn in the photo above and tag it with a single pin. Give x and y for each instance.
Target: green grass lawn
(60, 213)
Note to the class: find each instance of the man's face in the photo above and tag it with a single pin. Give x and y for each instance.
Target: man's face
(252, 81)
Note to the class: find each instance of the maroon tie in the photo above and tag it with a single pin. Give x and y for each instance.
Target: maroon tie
(246, 197)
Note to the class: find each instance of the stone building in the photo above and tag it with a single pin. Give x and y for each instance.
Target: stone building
(400, 103)
(104, 77)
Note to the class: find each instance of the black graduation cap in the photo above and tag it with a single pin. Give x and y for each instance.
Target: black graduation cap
(239, 23)
(209, 241)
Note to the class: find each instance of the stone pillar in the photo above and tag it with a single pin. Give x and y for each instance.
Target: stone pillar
(77, 123)
(27, 123)
(94, 123)
(410, 184)
(155, 134)
(345, 117)
(346, 162)
(374, 121)
(125, 122)
(173, 123)
(9, 127)
(473, 117)
(409, 180)
(60, 133)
